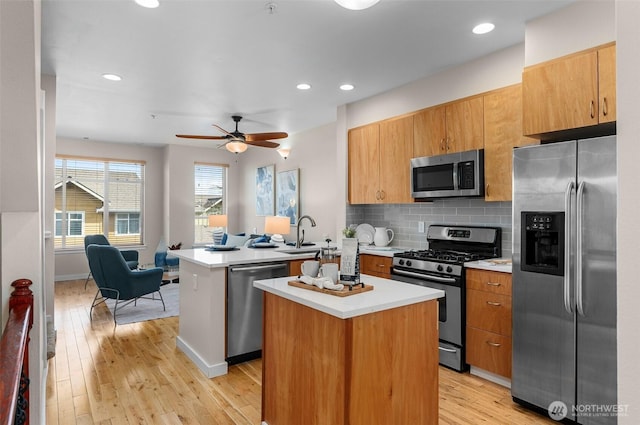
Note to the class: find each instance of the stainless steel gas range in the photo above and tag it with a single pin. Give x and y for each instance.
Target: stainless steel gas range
(442, 267)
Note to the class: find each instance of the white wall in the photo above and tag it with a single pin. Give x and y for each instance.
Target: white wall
(628, 93)
(313, 152)
(49, 87)
(497, 70)
(579, 26)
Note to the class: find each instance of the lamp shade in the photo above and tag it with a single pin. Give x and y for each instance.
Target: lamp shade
(236, 146)
(218, 220)
(276, 224)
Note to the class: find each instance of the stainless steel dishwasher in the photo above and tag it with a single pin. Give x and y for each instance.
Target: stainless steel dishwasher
(244, 308)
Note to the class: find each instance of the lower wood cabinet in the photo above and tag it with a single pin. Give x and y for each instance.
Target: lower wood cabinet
(376, 265)
(489, 321)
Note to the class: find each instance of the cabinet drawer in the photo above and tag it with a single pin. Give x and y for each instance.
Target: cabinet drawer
(482, 280)
(489, 351)
(488, 311)
(376, 265)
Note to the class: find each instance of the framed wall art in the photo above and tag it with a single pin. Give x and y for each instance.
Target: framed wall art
(265, 190)
(288, 195)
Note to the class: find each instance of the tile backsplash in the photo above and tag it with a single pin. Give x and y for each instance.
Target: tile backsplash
(404, 219)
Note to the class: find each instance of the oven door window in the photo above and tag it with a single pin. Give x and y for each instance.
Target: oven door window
(433, 177)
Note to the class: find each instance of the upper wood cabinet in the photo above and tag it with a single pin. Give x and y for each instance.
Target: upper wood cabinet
(502, 132)
(564, 94)
(607, 83)
(379, 162)
(454, 127)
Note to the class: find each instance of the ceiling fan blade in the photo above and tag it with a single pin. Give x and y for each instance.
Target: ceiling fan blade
(191, 136)
(256, 137)
(262, 143)
(223, 130)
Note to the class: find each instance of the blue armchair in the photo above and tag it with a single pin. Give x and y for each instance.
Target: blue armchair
(116, 281)
(130, 256)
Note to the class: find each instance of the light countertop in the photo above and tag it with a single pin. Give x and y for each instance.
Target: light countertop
(243, 255)
(386, 294)
(246, 255)
(494, 265)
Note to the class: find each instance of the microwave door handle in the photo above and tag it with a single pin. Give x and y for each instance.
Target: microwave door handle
(456, 176)
(567, 248)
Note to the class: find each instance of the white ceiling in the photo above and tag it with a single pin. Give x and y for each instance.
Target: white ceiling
(192, 63)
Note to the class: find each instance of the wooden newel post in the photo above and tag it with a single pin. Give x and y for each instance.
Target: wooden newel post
(22, 296)
(21, 299)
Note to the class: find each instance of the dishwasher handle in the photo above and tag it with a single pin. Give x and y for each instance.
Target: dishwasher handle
(258, 268)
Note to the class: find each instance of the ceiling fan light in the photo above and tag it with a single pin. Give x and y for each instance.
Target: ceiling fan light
(149, 4)
(236, 146)
(356, 4)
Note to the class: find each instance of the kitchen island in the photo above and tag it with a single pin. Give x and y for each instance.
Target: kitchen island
(368, 358)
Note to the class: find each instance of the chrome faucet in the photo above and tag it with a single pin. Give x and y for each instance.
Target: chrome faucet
(298, 239)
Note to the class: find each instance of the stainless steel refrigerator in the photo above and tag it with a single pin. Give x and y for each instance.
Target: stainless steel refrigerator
(564, 279)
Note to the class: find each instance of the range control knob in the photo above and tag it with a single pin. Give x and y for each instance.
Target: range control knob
(449, 269)
(439, 268)
(401, 262)
(409, 263)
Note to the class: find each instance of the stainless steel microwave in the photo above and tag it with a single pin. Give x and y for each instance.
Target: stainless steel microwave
(451, 175)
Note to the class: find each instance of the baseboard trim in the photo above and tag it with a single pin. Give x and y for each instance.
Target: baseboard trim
(489, 376)
(60, 278)
(210, 371)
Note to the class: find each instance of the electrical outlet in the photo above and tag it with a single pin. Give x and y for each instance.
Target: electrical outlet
(195, 281)
(421, 227)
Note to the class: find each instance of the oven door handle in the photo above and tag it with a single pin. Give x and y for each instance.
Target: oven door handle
(448, 350)
(425, 277)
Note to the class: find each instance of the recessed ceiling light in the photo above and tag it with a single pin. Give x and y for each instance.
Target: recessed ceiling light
(483, 28)
(150, 4)
(112, 77)
(356, 4)
(303, 86)
(347, 87)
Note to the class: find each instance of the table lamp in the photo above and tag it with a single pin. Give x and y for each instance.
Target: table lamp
(277, 226)
(217, 222)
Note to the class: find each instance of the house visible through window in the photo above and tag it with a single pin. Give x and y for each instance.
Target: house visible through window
(74, 224)
(210, 188)
(94, 196)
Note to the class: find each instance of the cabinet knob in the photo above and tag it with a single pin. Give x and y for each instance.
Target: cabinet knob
(494, 303)
(592, 108)
(604, 107)
(493, 344)
(382, 194)
(442, 144)
(493, 283)
(486, 190)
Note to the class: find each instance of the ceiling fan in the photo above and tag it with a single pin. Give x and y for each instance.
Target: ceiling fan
(237, 142)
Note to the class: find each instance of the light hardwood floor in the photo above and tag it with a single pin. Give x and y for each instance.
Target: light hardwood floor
(134, 374)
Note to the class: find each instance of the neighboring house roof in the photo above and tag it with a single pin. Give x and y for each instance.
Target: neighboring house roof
(125, 192)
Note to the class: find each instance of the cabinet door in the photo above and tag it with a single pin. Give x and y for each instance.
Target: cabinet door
(502, 132)
(561, 94)
(396, 151)
(489, 351)
(488, 311)
(607, 83)
(375, 265)
(429, 132)
(465, 126)
(364, 164)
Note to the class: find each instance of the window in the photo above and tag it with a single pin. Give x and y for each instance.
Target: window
(94, 196)
(210, 188)
(74, 223)
(127, 223)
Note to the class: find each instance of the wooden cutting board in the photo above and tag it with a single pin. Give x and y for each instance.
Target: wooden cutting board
(344, 292)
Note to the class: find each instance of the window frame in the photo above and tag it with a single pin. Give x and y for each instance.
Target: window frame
(116, 228)
(200, 226)
(68, 220)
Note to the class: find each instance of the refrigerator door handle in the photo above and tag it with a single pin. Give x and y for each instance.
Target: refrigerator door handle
(567, 247)
(579, 202)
